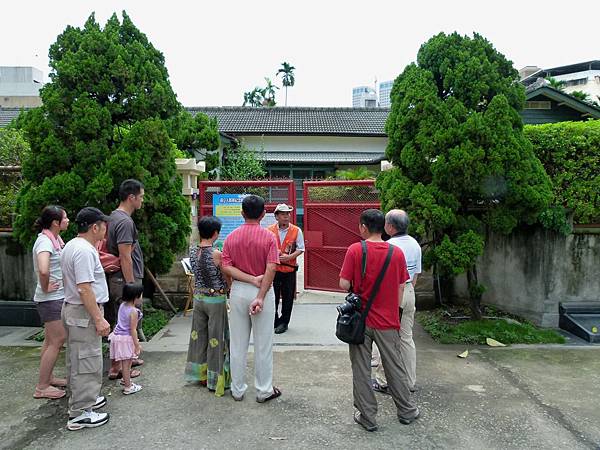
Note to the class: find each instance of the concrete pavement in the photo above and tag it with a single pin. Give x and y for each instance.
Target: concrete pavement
(497, 398)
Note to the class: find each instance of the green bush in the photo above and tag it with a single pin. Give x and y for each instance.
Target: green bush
(570, 153)
(243, 163)
(154, 320)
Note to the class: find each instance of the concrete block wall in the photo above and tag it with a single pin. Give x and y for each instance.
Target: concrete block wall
(531, 271)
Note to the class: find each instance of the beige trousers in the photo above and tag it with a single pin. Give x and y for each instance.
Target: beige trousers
(407, 344)
(84, 358)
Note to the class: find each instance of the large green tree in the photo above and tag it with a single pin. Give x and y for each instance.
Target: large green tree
(462, 163)
(109, 113)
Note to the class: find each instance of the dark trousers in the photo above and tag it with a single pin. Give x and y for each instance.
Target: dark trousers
(284, 285)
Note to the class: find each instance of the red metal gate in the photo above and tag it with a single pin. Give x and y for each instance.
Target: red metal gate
(331, 213)
(274, 192)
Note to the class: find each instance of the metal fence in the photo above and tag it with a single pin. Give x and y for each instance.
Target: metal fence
(331, 213)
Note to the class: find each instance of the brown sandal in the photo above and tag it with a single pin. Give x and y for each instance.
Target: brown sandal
(50, 392)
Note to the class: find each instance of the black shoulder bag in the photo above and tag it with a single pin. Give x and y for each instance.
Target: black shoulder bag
(350, 327)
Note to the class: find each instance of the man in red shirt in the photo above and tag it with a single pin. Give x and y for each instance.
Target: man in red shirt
(250, 257)
(382, 323)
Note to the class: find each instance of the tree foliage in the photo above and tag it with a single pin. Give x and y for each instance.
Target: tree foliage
(461, 160)
(109, 113)
(243, 163)
(570, 153)
(13, 149)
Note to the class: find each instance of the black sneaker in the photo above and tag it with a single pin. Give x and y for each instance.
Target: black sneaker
(359, 419)
(88, 419)
(282, 328)
(411, 420)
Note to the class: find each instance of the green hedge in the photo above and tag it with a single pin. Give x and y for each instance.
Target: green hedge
(570, 153)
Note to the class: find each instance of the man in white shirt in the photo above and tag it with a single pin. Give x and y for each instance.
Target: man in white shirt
(396, 225)
(86, 292)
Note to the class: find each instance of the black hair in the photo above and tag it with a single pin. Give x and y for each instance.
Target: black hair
(129, 187)
(207, 226)
(49, 214)
(131, 291)
(373, 219)
(253, 206)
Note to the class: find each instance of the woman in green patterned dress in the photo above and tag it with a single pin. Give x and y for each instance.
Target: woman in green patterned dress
(208, 353)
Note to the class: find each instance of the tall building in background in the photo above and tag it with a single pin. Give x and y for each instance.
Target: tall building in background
(385, 90)
(364, 97)
(20, 87)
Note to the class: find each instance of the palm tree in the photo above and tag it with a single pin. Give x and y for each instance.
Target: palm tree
(269, 93)
(247, 98)
(288, 79)
(556, 84)
(580, 95)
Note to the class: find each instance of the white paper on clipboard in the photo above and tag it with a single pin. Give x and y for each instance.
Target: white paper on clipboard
(187, 266)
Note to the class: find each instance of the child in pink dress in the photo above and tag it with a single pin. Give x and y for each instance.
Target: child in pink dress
(124, 343)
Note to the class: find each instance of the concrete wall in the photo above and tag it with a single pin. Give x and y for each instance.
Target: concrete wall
(317, 144)
(17, 280)
(529, 272)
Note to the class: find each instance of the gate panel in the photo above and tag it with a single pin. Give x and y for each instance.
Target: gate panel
(274, 192)
(331, 213)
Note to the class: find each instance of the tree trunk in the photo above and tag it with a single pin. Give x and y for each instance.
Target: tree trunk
(286, 96)
(474, 293)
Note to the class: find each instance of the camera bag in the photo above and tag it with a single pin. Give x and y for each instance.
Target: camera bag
(350, 328)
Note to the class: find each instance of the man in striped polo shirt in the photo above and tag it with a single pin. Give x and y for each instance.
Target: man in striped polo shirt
(250, 257)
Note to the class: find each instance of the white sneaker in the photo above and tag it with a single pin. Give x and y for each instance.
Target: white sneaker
(132, 389)
(88, 419)
(100, 402)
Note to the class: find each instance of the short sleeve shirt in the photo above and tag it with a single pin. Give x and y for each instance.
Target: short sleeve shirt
(384, 314)
(299, 238)
(81, 264)
(412, 252)
(122, 230)
(250, 248)
(44, 244)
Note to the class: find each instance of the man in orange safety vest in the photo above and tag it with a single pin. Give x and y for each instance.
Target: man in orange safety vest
(290, 243)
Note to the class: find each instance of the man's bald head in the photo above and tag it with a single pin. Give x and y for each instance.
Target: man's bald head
(396, 221)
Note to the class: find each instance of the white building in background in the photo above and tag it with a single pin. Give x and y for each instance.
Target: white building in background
(583, 77)
(385, 91)
(20, 87)
(364, 97)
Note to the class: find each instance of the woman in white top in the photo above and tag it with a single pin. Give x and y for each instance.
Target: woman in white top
(49, 296)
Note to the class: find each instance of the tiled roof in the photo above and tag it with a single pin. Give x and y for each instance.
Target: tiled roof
(298, 120)
(8, 114)
(286, 121)
(325, 157)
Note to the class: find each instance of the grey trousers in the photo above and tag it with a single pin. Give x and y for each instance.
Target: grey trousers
(84, 358)
(388, 342)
